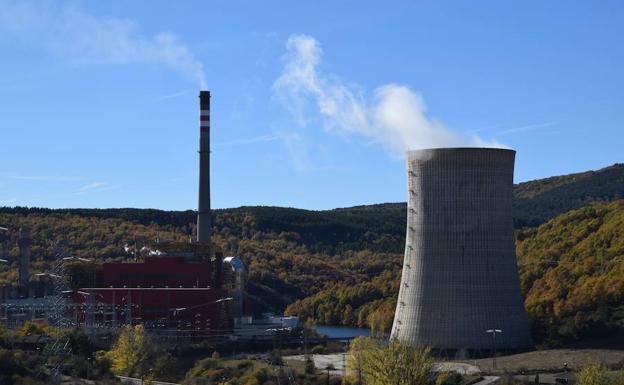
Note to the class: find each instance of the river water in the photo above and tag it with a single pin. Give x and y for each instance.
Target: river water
(342, 331)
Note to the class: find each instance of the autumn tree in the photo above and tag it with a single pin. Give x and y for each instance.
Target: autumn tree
(373, 362)
(597, 374)
(356, 360)
(131, 352)
(29, 328)
(3, 335)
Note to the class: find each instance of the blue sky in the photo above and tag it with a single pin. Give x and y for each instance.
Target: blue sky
(312, 102)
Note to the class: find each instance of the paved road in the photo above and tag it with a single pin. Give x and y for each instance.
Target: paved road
(138, 381)
(487, 380)
(321, 361)
(457, 367)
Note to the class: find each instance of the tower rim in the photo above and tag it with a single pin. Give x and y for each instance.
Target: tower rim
(463, 149)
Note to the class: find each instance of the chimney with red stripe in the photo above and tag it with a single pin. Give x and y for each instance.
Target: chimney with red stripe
(204, 220)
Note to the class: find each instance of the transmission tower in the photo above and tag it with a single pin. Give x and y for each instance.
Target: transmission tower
(59, 348)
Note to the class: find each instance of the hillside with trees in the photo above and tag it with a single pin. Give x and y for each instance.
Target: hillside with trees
(537, 201)
(572, 273)
(281, 267)
(342, 266)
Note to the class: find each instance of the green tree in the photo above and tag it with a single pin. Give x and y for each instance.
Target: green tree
(347, 315)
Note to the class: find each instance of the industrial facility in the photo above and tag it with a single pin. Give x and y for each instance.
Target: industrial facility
(460, 290)
(179, 286)
(177, 289)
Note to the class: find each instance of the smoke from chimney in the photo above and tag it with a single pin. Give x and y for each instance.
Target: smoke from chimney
(203, 210)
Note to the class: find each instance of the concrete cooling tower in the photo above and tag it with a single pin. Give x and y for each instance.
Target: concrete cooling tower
(459, 272)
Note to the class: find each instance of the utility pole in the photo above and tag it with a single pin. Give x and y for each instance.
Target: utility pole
(2, 244)
(494, 331)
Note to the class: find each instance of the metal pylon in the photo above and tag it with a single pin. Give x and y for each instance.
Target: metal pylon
(59, 347)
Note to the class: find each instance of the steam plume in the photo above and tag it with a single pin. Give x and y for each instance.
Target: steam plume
(396, 117)
(81, 37)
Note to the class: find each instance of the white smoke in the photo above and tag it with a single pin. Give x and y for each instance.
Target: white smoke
(396, 117)
(81, 37)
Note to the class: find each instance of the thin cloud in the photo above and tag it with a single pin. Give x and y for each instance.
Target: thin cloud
(481, 129)
(44, 178)
(8, 202)
(297, 151)
(257, 139)
(95, 187)
(172, 95)
(528, 127)
(83, 38)
(292, 141)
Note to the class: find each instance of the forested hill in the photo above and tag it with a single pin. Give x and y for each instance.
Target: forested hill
(537, 201)
(378, 227)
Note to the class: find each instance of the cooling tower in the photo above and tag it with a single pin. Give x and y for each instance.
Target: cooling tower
(459, 272)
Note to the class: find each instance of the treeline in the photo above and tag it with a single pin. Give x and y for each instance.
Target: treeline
(375, 227)
(142, 216)
(537, 201)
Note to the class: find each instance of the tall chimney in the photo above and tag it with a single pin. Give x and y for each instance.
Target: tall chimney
(203, 213)
(24, 261)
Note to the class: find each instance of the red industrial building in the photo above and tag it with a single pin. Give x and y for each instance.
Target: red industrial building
(161, 292)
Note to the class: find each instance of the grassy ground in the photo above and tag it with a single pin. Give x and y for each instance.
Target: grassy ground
(550, 360)
(228, 362)
(297, 366)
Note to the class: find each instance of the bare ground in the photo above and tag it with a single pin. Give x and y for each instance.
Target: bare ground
(550, 360)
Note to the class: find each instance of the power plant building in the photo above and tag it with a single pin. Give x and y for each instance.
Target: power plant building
(460, 278)
(181, 290)
(180, 285)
